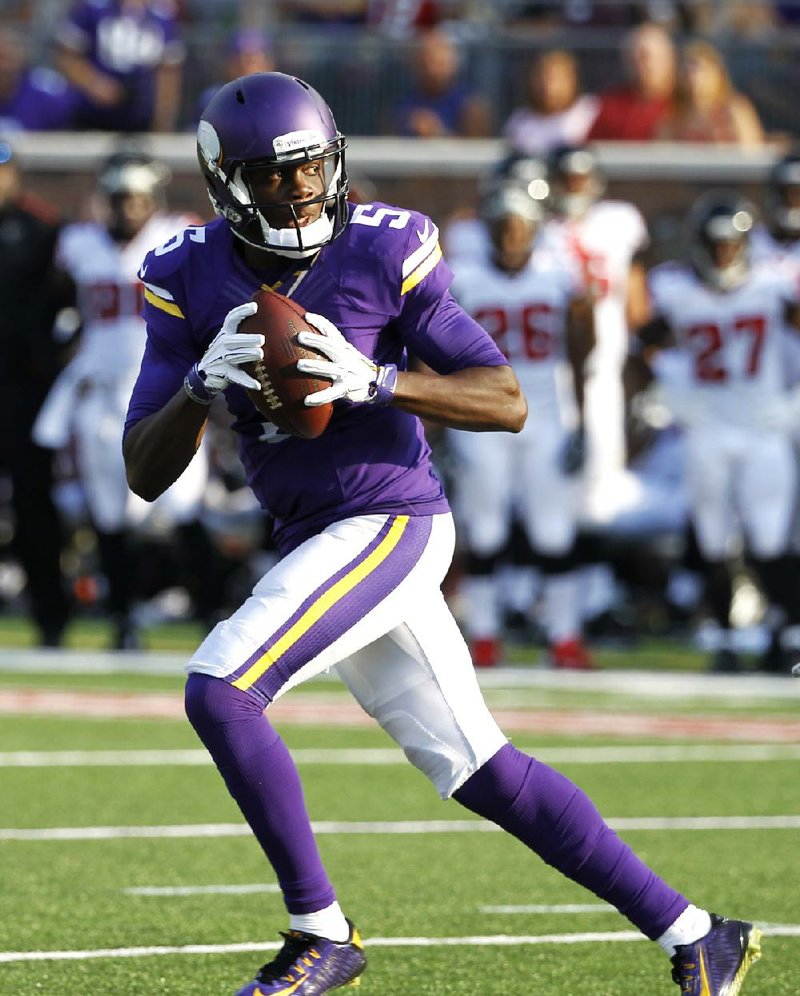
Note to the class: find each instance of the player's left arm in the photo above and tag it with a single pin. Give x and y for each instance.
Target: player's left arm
(483, 395)
(470, 384)
(466, 382)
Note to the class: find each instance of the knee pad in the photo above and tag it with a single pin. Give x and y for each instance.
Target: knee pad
(444, 751)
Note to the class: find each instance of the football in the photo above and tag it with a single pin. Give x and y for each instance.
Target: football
(283, 387)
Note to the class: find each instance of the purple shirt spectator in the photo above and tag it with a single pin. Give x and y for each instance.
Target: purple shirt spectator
(124, 57)
(31, 98)
(438, 103)
(40, 101)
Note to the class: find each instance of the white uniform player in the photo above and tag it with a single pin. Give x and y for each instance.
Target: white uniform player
(777, 240)
(88, 402)
(726, 383)
(602, 237)
(530, 305)
(465, 235)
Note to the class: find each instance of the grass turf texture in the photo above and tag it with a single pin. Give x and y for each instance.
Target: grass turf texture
(62, 896)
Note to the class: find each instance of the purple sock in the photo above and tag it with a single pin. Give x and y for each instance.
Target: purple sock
(262, 778)
(558, 821)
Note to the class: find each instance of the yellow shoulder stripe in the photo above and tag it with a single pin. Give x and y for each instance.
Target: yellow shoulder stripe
(422, 270)
(158, 302)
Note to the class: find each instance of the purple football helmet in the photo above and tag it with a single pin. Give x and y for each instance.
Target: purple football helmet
(267, 120)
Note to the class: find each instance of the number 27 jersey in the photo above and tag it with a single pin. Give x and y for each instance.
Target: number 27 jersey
(734, 342)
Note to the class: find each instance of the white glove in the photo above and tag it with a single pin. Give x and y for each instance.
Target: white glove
(227, 351)
(353, 375)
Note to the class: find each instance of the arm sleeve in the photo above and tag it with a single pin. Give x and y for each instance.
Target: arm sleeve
(160, 377)
(445, 337)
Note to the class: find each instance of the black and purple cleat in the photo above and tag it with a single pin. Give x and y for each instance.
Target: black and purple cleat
(717, 964)
(308, 965)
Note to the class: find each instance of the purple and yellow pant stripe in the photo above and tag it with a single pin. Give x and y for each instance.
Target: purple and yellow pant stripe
(335, 606)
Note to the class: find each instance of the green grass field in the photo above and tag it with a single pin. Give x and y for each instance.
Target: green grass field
(98, 898)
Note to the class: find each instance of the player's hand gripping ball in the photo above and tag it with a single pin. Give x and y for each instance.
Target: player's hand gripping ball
(281, 395)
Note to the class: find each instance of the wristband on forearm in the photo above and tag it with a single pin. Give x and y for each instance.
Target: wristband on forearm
(382, 389)
(195, 387)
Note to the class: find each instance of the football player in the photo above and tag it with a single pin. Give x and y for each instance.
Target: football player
(89, 400)
(720, 320)
(361, 522)
(465, 235)
(605, 238)
(540, 317)
(780, 235)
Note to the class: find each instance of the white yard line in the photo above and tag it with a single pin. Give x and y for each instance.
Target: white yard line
(497, 940)
(390, 756)
(213, 830)
(202, 890)
(541, 908)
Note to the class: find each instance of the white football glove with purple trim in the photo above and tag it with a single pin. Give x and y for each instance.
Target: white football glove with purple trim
(228, 350)
(353, 375)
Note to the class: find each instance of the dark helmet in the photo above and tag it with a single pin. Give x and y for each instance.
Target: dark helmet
(782, 197)
(510, 198)
(525, 171)
(132, 171)
(575, 179)
(715, 219)
(267, 120)
(512, 243)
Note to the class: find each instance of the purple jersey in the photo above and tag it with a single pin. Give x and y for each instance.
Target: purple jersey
(128, 42)
(384, 284)
(41, 101)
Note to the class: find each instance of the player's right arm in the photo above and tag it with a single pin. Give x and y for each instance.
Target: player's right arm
(160, 447)
(168, 411)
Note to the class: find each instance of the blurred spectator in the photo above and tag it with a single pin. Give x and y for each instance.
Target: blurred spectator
(439, 103)
(30, 297)
(395, 18)
(125, 58)
(635, 111)
(753, 19)
(707, 108)
(402, 18)
(249, 50)
(556, 111)
(87, 404)
(603, 14)
(31, 98)
(787, 13)
(329, 12)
